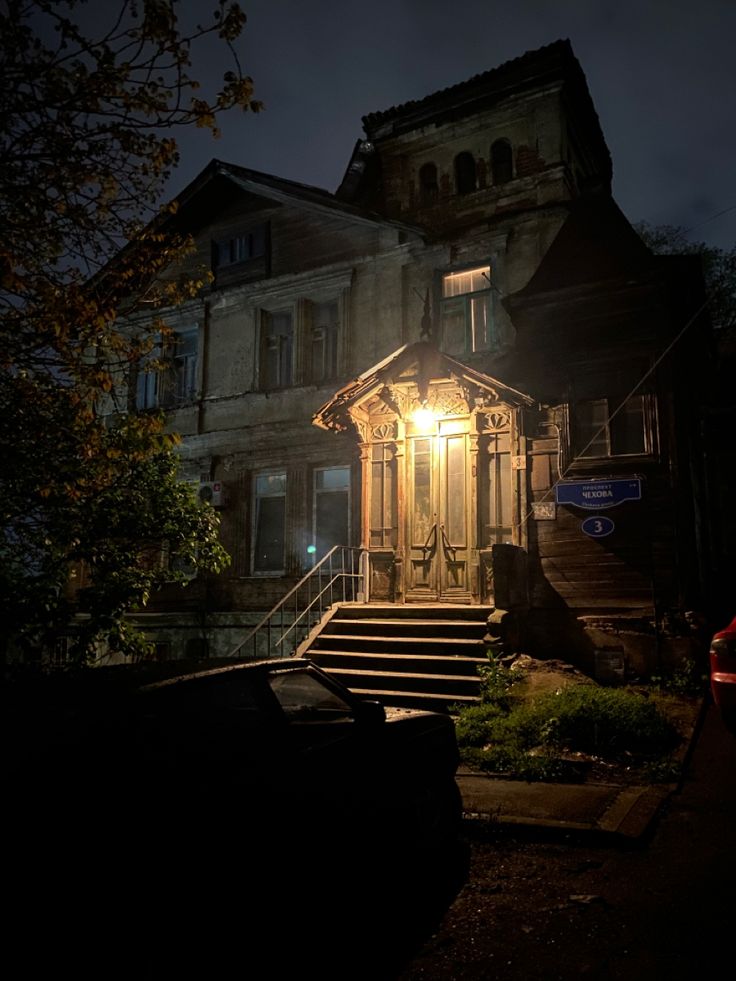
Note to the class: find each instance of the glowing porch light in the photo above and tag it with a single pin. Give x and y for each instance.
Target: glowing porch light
(423, 418)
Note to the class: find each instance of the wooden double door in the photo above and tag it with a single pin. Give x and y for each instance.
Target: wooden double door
(440, 528)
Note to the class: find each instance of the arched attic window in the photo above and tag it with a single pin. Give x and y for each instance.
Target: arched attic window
(428, 186)
(502, 167)
(465, 181)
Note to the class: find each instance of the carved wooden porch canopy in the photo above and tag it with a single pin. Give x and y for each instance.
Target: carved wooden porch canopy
(414, 376)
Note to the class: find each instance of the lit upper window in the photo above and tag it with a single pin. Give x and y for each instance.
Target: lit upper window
(467, 323)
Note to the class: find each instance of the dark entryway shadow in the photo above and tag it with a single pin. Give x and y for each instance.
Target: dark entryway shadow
(253, 908)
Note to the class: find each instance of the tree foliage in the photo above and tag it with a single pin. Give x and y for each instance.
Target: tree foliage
(719, 267)
(88, 119)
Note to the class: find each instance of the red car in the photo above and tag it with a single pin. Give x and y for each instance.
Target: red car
(723, 669)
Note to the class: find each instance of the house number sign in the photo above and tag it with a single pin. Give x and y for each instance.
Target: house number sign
(598, 527)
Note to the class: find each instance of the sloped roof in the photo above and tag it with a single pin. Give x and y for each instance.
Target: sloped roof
(431, 364)
(283, 191)
(595, 244)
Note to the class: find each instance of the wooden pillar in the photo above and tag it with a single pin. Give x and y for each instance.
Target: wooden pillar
(364, 451)
(474, 523)
(400, 457)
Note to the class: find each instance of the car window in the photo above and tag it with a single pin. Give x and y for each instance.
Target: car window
(300, 694)
(227, 693)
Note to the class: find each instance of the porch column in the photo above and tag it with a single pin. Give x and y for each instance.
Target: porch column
(474, 529)
(401, 478)
(364, 451)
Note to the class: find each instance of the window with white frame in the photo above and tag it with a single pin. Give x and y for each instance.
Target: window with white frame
(276, 349)
(324, 336)
(599, 433)
(241, 247)
(168, 377)
(466, 312)
(609, 421)
(147, 384)
(269, 523)
(183, 374)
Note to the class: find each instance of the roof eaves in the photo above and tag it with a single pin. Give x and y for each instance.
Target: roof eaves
(474, 85)
(315, 199)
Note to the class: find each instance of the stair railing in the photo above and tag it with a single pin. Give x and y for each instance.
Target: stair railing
(340, 576)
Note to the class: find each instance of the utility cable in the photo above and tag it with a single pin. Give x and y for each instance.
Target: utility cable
(604, 426)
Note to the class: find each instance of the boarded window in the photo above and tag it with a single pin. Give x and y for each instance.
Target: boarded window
(502, 168)
(428, 186)
(465, 178)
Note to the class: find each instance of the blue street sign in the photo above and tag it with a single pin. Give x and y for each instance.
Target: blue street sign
(594, 494)
(598, 527)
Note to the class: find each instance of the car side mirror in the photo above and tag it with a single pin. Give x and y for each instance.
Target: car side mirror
(370, 711)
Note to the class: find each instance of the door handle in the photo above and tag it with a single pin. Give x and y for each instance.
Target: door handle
(432, 534)
(446, 543)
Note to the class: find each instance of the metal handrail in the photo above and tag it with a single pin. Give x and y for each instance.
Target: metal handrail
(328, 576)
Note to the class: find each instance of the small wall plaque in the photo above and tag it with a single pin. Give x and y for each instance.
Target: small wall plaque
(544, 510)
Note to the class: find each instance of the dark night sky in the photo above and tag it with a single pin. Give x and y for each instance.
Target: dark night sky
(662, 74)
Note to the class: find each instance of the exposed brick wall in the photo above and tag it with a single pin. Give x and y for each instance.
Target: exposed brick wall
(528, 162)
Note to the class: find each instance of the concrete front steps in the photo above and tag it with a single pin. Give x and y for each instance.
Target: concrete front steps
(414, 655)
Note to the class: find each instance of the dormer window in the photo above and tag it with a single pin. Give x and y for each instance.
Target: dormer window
(242, 247)
(428, 186)
(465, 177)
(502, 166)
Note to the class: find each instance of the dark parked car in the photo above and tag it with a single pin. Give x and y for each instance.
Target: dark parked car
(275, 745)
(286, 743)
(179, 823)
(723, 670)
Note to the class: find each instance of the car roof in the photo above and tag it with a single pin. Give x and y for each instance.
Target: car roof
(254, 668)
(730, 629)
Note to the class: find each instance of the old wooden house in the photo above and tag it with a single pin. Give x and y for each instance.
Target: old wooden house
(464, 363)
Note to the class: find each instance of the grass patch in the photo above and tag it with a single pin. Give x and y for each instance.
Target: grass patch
(532, 736)
(689, 678)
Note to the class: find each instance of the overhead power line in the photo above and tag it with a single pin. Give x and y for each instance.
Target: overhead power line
(604, 426)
